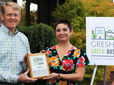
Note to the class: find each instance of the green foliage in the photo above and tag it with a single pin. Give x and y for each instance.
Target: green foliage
(78, 39)
(33, 16)
(87, 75)
(76, 12)
(23, 16)
(72, 11)
(39, 36)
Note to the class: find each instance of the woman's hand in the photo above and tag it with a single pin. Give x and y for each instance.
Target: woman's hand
(44, 51)
(51, 76)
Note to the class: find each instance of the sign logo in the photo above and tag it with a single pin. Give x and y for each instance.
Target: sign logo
(38, 61)
(101, 33)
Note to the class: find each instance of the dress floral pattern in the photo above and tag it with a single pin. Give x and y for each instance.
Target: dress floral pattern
(73, 58)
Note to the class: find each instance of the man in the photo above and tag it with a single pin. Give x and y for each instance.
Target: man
(13, 47)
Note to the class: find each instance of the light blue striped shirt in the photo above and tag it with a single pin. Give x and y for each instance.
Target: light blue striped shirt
(12, 50)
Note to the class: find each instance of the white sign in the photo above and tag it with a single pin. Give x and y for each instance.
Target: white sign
(100, 40)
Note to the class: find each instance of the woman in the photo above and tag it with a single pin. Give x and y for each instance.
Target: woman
(66, 62)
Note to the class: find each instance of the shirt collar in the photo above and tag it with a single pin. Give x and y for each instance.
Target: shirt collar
(7, 30)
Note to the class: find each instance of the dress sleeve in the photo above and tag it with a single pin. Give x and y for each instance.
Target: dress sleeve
(82, 59)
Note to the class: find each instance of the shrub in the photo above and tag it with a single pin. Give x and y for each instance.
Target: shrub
(39, 36)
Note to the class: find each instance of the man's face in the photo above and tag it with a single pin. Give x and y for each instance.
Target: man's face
(10, 18)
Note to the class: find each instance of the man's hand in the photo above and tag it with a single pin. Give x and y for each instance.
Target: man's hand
(25, 79)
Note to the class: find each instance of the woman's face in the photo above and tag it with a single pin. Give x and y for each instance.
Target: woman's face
(62, 32)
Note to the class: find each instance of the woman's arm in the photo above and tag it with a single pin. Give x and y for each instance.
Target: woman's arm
(77, 76)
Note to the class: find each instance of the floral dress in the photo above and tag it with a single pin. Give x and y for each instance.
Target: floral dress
(74, 57)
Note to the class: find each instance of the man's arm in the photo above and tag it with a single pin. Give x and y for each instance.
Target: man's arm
(7, 77)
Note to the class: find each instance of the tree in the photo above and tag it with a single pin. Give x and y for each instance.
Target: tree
(76, 11)
(23, 16)
(33, 16)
